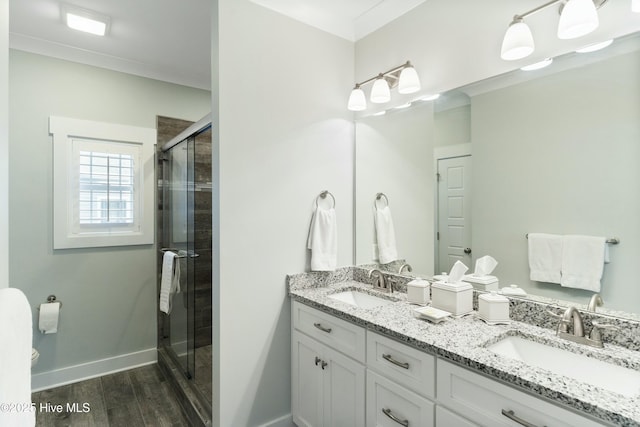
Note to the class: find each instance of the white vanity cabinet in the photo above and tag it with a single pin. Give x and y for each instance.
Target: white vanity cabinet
(400, 384)
(490, 403)
(328, 387)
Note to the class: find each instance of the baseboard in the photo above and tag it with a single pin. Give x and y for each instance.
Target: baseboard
(97, 368)
(284, 421)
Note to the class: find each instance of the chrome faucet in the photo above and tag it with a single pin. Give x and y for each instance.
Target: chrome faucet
(594, 302)
(572, 317)
(380, 283)
(405, 266)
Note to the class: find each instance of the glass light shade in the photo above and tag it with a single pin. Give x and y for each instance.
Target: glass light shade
(357, 100)
(517, 42)
(635, 6)
(538, 65)
(595, 47)
(578, 17)
(380, 92)
(409, 80)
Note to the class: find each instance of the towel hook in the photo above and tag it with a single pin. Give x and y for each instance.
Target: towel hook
(323, 195)
(379, 196)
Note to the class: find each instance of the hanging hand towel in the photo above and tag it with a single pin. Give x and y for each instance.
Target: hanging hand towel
(385, 236)
(323, 240)
(15, 359)
(583, 259)
(545, 257)
(170, 280)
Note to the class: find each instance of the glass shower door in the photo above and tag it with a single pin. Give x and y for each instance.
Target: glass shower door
(178, 236)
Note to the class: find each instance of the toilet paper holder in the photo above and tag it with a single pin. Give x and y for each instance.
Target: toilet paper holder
(52, 298)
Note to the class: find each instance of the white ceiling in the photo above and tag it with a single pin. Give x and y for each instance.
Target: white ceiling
(169, 40)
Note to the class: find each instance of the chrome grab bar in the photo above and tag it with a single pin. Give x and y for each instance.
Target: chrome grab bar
(322, 328)
(391, 415)
(512, 416)
(390, 358)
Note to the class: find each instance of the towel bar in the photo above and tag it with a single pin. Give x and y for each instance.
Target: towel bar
(323, 195)
(610, 240)
(192, 255)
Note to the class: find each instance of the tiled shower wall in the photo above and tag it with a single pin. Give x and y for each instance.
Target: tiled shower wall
(167, 128)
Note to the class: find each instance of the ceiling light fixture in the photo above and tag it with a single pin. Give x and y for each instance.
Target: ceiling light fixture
(577, 18)
(85, 20)
(403, 76)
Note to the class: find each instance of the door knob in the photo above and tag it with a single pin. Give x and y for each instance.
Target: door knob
(467, 251)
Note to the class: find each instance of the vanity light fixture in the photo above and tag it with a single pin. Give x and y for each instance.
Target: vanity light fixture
(595, 46)
(85, 20)
(403, 76)
(577, 18)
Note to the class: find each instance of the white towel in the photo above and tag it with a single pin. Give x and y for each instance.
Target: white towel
(545, 257)
(583, 259)
(170, 280)
(323, 240)
(385, 235)
(15, 359)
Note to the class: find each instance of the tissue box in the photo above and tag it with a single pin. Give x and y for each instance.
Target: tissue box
(482, 283)
(493, 308)
(456, 298)
(418, 292)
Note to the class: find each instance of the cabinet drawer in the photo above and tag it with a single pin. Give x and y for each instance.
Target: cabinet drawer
(407, 366)
(336, 333)
(482, 400)
(390, 405)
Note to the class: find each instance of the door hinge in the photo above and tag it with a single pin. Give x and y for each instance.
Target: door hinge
(437, 235)
(438, 176)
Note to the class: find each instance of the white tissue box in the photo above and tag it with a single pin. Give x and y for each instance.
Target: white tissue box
(456, 298)
(418, 292)
(482, 283)
(493, 308)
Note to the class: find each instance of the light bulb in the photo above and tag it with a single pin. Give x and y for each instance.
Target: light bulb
(578, 17)
(357, 100)
(409, 80)
(380, 92)
(517, 42)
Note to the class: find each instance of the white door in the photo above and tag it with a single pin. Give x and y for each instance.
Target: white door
(344, 382)
(454, 212)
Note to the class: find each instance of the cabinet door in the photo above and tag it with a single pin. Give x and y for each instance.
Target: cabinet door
(390, 405)
(306, 381)
(343, 382)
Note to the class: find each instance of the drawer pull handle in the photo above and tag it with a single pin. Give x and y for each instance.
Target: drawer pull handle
(322, 328)
(317, 360)
(390, 414)
(512, 416)
(390, 358)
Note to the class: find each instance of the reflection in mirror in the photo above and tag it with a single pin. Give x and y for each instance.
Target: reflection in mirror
(553, 151)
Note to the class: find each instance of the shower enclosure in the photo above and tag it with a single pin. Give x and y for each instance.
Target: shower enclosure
(184, 227)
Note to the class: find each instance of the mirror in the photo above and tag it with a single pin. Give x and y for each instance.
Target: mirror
(552, 151)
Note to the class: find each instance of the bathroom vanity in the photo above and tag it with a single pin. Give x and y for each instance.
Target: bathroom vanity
(357, 363)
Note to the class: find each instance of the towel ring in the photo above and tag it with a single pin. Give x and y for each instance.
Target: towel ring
(323, 195)
(379, 196)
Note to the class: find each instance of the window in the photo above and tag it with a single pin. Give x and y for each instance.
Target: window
(103, 184)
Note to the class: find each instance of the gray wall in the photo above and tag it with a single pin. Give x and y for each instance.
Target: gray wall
(4, 143)
(560, 155)
(108, 294)
(285, 135)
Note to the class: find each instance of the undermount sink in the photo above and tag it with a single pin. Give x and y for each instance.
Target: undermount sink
(598, 373)
(360, 299)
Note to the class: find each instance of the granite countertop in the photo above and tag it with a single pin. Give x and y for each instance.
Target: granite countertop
(464, 340)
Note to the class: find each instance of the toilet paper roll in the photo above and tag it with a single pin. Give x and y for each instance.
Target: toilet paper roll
(49, 314)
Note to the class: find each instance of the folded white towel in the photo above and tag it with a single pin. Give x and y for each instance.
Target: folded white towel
(323, 240)
(15, 358)
(170, 280)
(385, 235)
(583, 259)
(545, 257)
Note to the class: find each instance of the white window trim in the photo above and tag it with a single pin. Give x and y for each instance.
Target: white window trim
(64, 130)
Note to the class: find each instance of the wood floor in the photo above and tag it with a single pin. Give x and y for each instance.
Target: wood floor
(139, 397)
